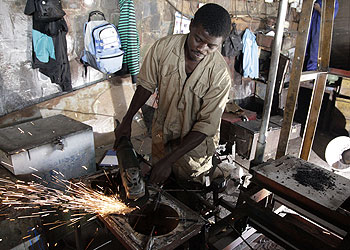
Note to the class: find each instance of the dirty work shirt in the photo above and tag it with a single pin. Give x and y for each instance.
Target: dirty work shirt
(184, 105)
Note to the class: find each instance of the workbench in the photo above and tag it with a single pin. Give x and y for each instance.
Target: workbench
(319, 197)
(316, 205)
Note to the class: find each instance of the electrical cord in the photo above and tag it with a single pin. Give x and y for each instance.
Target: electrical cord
(240, 235)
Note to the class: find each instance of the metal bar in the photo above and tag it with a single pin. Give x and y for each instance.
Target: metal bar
(260, 149)
(325, 43)
(311, 216)
(284, 231)
(339, 220)
(294, 84)
(312, 117)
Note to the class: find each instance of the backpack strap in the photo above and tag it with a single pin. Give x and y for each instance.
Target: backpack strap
(96, 12)
(85, 67)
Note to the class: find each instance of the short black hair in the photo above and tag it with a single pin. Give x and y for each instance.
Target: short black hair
(214, 19)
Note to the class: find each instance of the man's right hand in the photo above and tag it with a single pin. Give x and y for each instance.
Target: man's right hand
(122, 129)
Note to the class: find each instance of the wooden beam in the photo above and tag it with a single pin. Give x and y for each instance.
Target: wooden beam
(294, 84)
(312, 118)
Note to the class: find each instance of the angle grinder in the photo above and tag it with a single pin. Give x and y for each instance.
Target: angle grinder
(130, 172)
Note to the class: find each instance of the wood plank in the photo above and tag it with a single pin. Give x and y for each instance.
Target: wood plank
(294, 84)
(312, 118)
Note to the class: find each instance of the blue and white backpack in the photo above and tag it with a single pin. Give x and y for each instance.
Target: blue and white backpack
(102, 45)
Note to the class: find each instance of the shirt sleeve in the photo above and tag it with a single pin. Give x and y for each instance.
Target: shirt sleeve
(30, 7)
(214, 102)
(148, 76)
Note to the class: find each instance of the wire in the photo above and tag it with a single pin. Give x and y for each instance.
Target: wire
(240, 235)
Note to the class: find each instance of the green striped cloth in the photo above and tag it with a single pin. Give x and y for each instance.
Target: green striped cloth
(129, 36)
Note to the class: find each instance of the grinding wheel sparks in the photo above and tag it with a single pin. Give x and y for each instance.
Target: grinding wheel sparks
(77, 196)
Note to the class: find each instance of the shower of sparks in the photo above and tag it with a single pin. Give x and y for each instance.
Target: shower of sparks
(7, 164)
(76, 197)
(34, 169)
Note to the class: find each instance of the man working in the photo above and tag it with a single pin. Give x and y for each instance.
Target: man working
(192, 81)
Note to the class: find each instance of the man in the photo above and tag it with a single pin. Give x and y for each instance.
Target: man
(192, 81)
(311, 53)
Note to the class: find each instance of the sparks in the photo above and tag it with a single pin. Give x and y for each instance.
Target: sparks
(76, 197)
(7, 164)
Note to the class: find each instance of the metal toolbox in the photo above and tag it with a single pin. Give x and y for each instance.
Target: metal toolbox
(245, 136)
(55, 144)
(295, 129)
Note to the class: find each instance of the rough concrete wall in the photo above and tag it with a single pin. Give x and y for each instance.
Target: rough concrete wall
(21, 86)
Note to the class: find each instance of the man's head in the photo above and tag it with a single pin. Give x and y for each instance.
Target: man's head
(214, 19)
(208, 29)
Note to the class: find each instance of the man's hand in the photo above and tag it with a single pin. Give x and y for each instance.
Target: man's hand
(161, 171)
(123, 129)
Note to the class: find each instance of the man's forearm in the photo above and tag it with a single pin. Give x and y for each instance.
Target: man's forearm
(190, 141)
(139, 99)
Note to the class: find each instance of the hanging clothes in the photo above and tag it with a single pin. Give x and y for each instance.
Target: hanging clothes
(56, 65)
(311, 53)
(43, 46)
(250, 55)
(129, 38)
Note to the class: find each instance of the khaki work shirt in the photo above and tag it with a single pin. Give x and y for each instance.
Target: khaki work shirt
(185, 104)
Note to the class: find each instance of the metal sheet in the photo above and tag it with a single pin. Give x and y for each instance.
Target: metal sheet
(287, 170)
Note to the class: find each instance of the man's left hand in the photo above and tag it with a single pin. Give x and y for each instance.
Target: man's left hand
(160, 171)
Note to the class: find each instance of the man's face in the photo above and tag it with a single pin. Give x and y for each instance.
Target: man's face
(199, 43)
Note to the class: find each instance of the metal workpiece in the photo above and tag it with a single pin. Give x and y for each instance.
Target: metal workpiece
(162, 223)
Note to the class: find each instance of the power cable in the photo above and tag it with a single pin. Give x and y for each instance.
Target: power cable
(240, 235)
